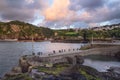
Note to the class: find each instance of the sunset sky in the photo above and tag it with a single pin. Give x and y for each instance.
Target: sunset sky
(60, 14)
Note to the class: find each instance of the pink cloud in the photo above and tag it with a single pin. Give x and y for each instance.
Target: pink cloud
(57, 11)
(61, 13)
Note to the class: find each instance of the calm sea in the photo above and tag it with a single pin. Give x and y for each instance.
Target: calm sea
(10, 52)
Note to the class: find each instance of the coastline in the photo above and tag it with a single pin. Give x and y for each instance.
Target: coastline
(28, 65)
(22, 40)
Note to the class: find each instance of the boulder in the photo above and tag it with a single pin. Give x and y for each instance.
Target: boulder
(17, 70)
(24, 65)
(75, 60)
(110, 76)
(114, 69)
(72, 73)
(117, 55)
(79, 59)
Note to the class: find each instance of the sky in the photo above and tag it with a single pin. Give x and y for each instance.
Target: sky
(61, 14)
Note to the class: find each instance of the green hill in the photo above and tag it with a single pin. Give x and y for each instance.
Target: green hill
(23, 31)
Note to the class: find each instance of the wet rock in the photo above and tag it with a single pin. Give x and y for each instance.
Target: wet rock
(23, 63)
(79, 59)
(110, 76)
(72, 73)
(36, 74)
(114, 69)
(51, 77)
(90, 70)
(76, 59)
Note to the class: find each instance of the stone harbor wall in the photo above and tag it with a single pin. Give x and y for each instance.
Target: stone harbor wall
(73, 58)
(109, 51)
(26, 63)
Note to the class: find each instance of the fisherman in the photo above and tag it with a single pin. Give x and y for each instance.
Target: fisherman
(38, 53)
(53, 51)
(59, 51)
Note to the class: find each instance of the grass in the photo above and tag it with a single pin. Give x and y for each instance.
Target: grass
(19, 77)
(54, 70)
(71, 34)
(89, 73)
(85, 47)
(89, 77)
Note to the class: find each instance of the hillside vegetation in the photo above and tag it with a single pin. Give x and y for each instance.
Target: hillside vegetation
(25, 31)
(89, 33)
(22, 30)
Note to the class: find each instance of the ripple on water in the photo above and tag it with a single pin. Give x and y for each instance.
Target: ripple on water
(10, 52)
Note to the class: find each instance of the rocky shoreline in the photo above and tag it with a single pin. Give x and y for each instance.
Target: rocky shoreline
(38, 68)
(76, 72)
(60, 71)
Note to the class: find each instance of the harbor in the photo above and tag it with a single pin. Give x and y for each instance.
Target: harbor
(56, 54)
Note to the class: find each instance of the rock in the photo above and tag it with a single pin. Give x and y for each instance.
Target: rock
(23, 63)
(17, 70)
(90, 70)
(69, 60)
(72, 73)
(11, 74)
(110, 76)
(36, 74)
(75, 60)
(114, 69)
(117, 55)
(51, 77)
(79, 59)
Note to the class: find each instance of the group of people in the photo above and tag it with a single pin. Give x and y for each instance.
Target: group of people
(39, 53)
(63, 50)
(60, 51)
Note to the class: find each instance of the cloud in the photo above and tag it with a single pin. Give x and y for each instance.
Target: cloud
(86, 4)
(78, 12)
(29, 1)
(58, 11)
(18, 14)
(23, 10)
(106, 13)
(98, 11)
(61, 13)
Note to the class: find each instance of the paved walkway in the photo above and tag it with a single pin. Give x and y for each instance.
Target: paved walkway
(57, 53)
(71, 51)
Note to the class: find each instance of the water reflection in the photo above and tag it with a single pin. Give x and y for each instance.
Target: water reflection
(101, 64)
(11, 51)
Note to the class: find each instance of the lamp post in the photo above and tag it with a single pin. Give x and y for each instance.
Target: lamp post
(32, 44)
